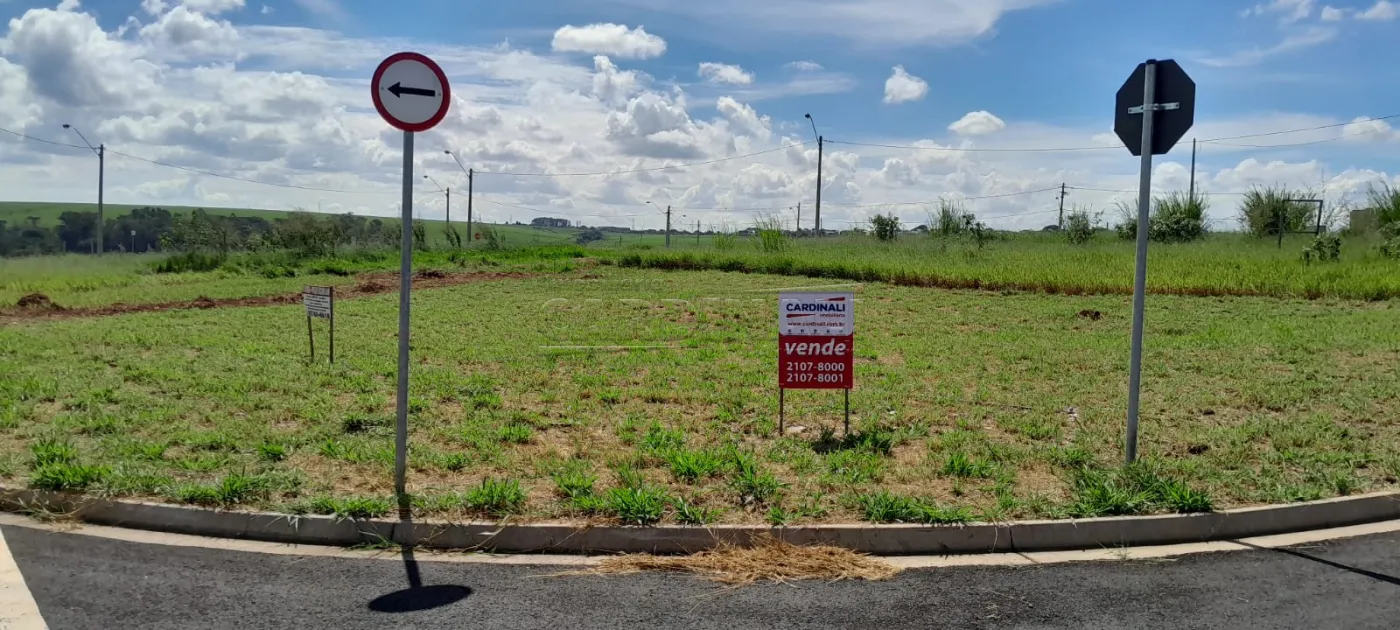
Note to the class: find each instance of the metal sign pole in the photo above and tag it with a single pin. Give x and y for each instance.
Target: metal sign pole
(848, 411)
(781, 412)
(332, 325)
(310, 337)
(1140, 274)
(405, 292)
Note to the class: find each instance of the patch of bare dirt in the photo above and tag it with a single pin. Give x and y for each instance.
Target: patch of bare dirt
(39, 306)
(1091, 314)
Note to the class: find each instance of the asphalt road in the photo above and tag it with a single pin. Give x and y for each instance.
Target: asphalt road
(84, 582)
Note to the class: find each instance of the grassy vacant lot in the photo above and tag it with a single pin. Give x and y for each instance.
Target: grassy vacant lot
(969, 404)
(1222, 264)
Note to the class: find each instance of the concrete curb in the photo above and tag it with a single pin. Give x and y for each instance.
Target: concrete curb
(1022, 536)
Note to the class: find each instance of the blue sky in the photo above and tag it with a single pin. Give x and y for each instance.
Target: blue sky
(1031, 73)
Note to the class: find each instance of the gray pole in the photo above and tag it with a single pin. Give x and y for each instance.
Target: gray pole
(448, 192)
(101, 175)
(818, 222)
(405, 291)
(1140, 274)
(799, 218)
(1062, 205)
(668, 226)
(470, 178)
(1191, 196)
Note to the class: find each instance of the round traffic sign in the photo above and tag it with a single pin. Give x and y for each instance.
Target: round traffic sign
(410, 91)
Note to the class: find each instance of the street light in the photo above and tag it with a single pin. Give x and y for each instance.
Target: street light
(447, 192)
(668, 221)
(101, 151)
(470, 177)
(820, 145)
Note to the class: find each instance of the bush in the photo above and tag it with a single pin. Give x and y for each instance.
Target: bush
(190, 261)
(1385, 202)
(588, 236)
(1265, 209)
(1324, 248)
(1174, 218)
(1178, 218)
(771, 239)
(949, 220)
(1390, 247)
(885, 226)
(1079, 228)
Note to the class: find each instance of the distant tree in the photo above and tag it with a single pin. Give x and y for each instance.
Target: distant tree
(588, 236)
(885, 226)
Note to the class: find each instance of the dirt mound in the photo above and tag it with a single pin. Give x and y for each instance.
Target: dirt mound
(37, 301)
(371, 286)
(203, 301)
(430, 274)
(1089, 314)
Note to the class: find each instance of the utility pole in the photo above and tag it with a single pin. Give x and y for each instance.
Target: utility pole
(1191, 196)
(697, 231)
(1062, 205)
(668, 226)
(471, 175)
(101, 151)
(821, 142)
(799, 218)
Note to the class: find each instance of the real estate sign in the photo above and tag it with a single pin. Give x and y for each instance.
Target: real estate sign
(816, 340)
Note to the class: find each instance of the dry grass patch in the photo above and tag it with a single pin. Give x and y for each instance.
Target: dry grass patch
(768, 560)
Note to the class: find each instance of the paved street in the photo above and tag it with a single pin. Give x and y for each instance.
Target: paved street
(84, 582)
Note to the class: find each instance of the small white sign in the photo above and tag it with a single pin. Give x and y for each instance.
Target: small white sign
(410, 91)
(319, 301)
(816, 314)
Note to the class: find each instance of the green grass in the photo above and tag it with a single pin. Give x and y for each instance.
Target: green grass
(973, 402)
(1220, 265)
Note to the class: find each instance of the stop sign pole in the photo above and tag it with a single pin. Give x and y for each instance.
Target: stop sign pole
(1149, 93)
(1171, 93)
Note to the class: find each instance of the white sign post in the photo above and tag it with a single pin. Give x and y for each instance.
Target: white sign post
(319, 302)
(411, 93)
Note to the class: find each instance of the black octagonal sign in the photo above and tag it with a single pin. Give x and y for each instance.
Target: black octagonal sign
(1173, 117)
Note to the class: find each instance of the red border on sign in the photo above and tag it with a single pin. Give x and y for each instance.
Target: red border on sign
(379, 103)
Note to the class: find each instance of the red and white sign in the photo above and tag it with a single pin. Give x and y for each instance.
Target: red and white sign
(410, 91)
(816, 340)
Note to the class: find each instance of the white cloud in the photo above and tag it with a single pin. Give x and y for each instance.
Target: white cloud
(879, 23)
(68, 5)
(327, 9)
(1382, 11)
(1306, 38)
(978, 123)
(210, 7)
(803, 66)
(1333, 14)
(1289, 11)
(266, 10)
(183, 28)
(743, 119)
(903, 87)
(609, 39)
(724, 73)
(612, 85)
(1364, 129)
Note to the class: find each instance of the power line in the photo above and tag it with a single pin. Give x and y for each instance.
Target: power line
(1296, 144)
(1134, 190)
(1287, 131)
(920, 203)
(249, 180)
(34, 139)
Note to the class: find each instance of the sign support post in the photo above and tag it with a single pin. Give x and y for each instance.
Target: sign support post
(1140, 271)
(310, 339)
(332, 340)
(411, 93)
(320, 303)
(1149, 126)
(405, 292)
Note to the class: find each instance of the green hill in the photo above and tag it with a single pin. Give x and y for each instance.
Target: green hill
(18, 213)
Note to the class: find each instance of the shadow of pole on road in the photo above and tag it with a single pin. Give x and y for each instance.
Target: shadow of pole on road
(417, 597)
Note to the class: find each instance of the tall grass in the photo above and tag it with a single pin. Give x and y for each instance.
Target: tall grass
(1216, 265)
(1266, 210)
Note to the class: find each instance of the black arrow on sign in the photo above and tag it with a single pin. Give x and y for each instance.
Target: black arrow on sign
(398, 91)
